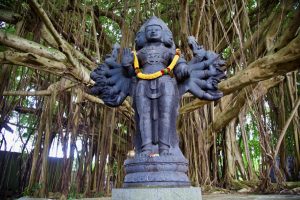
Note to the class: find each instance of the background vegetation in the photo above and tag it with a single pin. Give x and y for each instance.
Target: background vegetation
(48, 48)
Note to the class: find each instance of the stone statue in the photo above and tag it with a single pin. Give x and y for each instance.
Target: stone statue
(155, 75)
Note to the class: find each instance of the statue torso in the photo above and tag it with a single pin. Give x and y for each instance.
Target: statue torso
(153, 58)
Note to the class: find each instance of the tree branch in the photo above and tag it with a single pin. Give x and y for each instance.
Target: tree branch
(197, 18)
(61, 43)
(119, 20)
(27, 93)
(9, 16)
(233, 107)
(282, 62)
(92, 98)
(285, 60)
(44, 64)
(287, 123)
(24, 45)
(25, 110)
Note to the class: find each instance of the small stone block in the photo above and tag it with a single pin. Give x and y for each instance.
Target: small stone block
(179, 193)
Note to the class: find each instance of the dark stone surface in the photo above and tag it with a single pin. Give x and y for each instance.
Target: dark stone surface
(148, 164)
(156, 171)
(156, 101)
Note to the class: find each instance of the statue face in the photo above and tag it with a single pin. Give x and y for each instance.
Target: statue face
(154, 33)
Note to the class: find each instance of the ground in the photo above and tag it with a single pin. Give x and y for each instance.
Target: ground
(250, 197)
(221, 197)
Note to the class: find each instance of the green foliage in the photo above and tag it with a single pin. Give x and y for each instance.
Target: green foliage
(8, 28)
(115, 168)
(251, 5)
(6, 4)
(122, 127)
(290, 141)
(73, 193)
(111, 28)
(31, 191)
(253, 141)
(99, 194)
(226, 53)
(2, 48)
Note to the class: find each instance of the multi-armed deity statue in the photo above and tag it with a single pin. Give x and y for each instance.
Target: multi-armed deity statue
(155, 75)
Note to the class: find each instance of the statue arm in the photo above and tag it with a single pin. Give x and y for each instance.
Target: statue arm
(181, 70)
(112, 84)
(204, 73)
(128, 70)
(127, 63)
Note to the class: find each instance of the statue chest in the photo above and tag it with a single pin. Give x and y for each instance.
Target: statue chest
(154, 55)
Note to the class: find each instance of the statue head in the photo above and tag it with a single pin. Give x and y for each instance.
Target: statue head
(153, 33)
(154, 30)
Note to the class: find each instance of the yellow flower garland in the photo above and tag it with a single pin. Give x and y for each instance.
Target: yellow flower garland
(157, 74)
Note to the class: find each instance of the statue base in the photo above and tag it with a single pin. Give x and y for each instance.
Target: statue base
(180, 193)
(161, 171)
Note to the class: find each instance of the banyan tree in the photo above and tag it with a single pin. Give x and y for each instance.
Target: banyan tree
(248, 139)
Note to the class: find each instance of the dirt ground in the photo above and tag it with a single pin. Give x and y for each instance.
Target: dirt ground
(240, 197)
(249, 197)
(220, 197)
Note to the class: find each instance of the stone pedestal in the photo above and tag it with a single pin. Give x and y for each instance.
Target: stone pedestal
(165, 171)
(181, 193)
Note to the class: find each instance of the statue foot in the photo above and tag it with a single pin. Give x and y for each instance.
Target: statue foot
(145, 153)
(146, 150)
(165, 152)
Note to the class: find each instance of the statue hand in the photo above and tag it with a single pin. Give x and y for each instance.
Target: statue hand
(198, 50)
(115, 51)
(183, 72)
(127, 57)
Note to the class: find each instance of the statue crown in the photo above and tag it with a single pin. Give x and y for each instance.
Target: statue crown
(167, 36)
(155, 21)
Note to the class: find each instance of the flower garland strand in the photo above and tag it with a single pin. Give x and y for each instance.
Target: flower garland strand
(157, 74)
